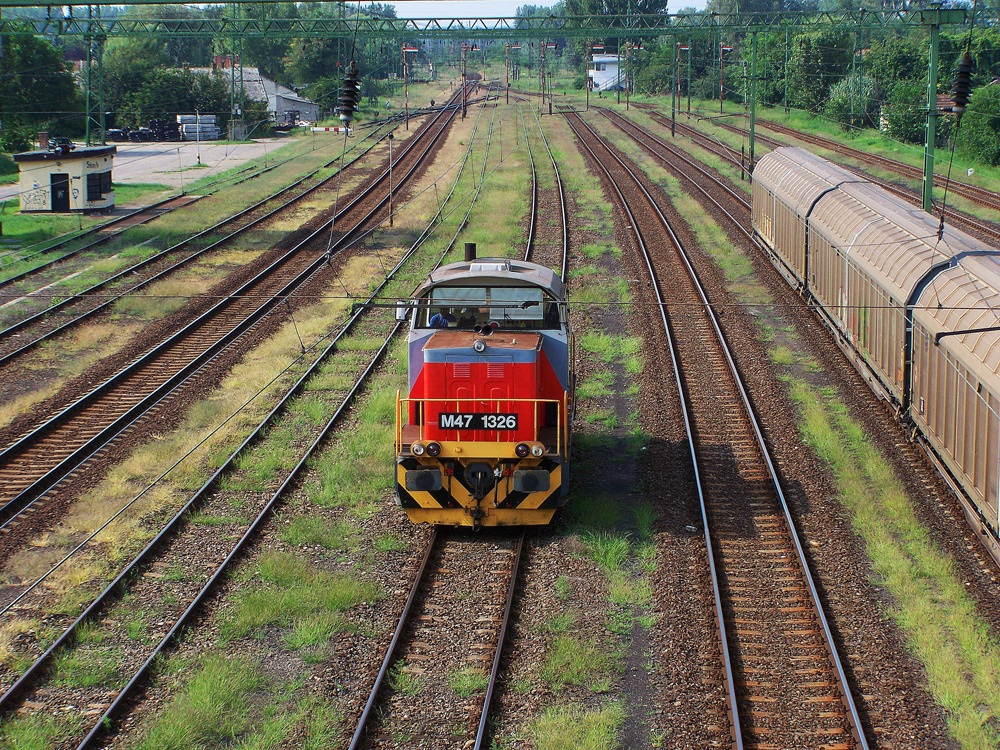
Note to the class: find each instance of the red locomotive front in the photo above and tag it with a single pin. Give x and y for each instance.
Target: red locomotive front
(483, 436)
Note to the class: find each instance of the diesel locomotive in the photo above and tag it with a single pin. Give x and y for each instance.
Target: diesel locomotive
(483, 434)
(915, 305)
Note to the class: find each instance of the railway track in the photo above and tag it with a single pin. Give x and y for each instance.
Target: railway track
(988, 229)
(439, 608)
(176, 541)
(786, 682)
(447, 629)
(546, 255)
(982, 196)
(40, 325)
(34, 255)
(62, 445)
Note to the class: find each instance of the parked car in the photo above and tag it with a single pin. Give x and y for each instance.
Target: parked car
(59, 142)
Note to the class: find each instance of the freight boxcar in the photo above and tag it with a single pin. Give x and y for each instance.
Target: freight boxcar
(915, 309)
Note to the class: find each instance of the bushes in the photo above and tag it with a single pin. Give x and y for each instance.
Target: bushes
(853, 102)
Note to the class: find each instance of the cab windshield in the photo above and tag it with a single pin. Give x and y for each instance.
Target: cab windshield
(505, 308)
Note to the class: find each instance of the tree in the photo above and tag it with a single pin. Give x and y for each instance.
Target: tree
(166, 93)
(895, 59)
(37, 90)
(818, 60)
(906, 111)
(979, 135)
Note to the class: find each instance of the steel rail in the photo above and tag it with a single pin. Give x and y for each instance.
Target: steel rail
(495, 669)
(984, 197)
(394, 642)
(128, 692)
(846, 695)
(64, 239)
(529, 246)
(99, 228)
(418, 579)
(80, 455)
(564, 212)
(42, 663)
(689, 431)
(242, 174)
(21, 325)
(623, 122)
(959, 217)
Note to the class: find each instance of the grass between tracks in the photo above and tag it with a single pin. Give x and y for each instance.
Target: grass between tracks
(273, 599)
(929, 603)
(345, 479)
(582, 664)
(58, 361)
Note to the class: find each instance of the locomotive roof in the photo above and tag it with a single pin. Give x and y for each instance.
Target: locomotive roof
(495, 272)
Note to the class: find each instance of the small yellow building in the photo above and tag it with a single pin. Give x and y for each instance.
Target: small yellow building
(60, 180)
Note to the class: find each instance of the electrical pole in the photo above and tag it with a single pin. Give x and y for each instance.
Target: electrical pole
(628, 50)
(689, 76)
(406, 80)
(788, 34)
(723, 48)
(673, 91)
(753, 94)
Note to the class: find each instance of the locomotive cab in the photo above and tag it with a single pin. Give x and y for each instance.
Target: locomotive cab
(483, 436)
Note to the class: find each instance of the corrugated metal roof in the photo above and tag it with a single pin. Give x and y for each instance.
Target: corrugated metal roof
(795, 173)
(963, 297)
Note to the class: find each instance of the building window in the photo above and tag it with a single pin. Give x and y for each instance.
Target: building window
(98, 185)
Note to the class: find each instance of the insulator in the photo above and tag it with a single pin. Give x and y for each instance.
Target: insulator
(350, 95)
(961, 89)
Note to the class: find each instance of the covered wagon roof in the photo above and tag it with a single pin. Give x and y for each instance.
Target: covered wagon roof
(799, 176)
(966, 296)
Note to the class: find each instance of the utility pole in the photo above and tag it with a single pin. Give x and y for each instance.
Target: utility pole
(507, 48)
(684, 48)
(933, 18)
(788, 34)
(688, 48)
(723, 48)
(465, 88)
(545, 78)
(753, 94)
(677, 67)
(406, 89)
(390, 139)
(628, 79)
(673, 91)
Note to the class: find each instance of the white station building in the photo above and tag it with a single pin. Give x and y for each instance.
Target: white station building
(606, 73)
(60, 182)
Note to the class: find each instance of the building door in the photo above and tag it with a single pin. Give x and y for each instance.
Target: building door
(60, 192)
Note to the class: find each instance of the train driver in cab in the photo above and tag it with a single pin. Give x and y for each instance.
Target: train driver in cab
(441, 319)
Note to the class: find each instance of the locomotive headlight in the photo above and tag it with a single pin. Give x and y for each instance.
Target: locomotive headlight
(417, 449)
(434, 449)
(521, 450)
(479, 345)
(537, 451)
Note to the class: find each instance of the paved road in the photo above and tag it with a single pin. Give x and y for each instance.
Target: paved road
(175, 164)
